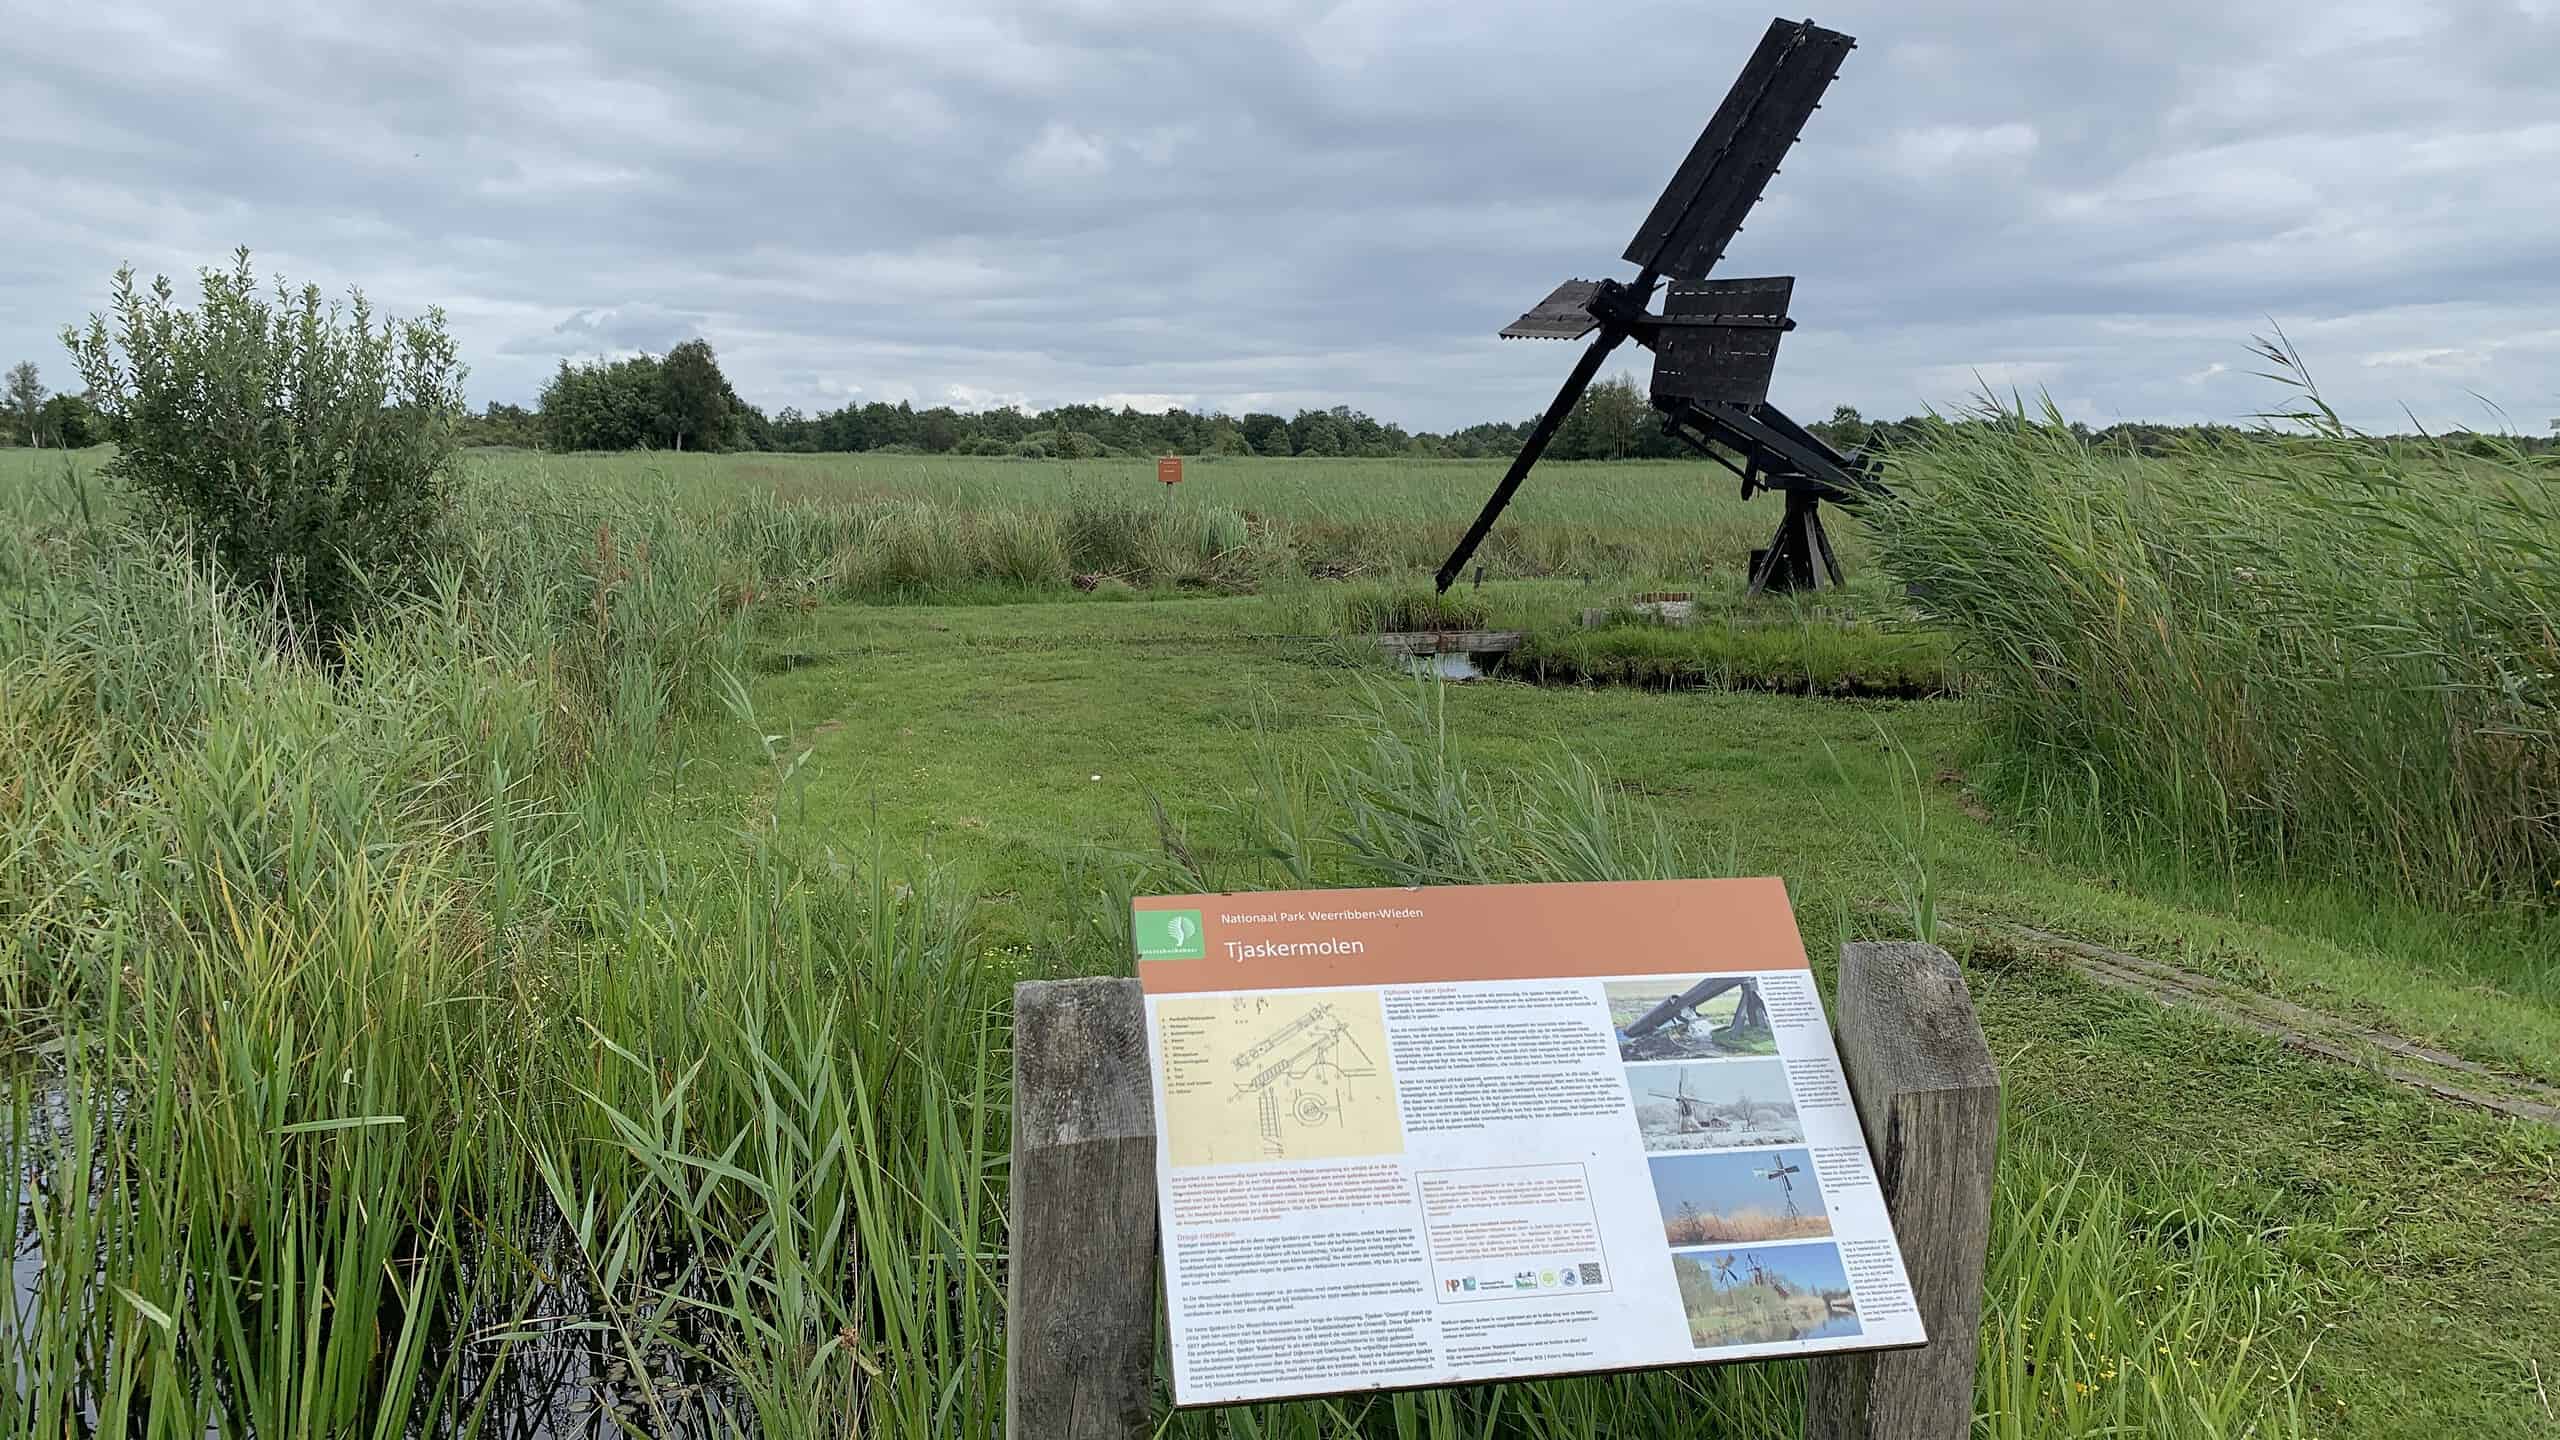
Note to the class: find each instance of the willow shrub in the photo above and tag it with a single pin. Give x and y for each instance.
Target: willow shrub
(303, 447)
(2302, 652)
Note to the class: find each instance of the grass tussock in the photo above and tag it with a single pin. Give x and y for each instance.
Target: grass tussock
(2305, 654)
(1789, 649)
(1354, 608)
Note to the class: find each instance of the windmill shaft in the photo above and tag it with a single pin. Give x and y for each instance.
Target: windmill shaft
(1530, 450)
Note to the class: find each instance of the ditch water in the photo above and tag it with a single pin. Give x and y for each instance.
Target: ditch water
(533, 1366)
(25, 1268)
(48, 1118)
(1448, 665)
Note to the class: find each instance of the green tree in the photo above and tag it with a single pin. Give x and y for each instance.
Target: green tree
(697, 399)
(68, 421)
(1316, 432)
(1607, 423)
(25, 397)
(301, 446)
(501, 424)
(1845, 430)
(619, 405)
(1268, 434)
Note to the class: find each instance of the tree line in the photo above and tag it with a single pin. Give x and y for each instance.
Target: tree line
(682, 401)
(47, 421)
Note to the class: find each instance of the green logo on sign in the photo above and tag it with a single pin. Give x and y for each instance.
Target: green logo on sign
(1170, 935)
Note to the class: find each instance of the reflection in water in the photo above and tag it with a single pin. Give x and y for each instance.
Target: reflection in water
(24, 1138)
(1832, 1328)
(561, 1373)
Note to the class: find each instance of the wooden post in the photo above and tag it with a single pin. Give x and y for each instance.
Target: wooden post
(1080, 1308)
(1928, 1096)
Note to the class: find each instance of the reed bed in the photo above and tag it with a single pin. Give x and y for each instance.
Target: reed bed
(365, 1026)
(2303, 655)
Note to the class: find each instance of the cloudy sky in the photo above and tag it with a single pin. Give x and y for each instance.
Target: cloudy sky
(1267, 204)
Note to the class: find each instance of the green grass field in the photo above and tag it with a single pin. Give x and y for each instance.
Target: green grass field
(1335, 518)
(590, 1009)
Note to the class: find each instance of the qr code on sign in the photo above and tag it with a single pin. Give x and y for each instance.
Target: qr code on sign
(1590, 1272)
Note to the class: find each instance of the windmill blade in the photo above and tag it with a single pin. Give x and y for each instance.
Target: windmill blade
(1564, 315)
(1530, 450)
(1715, 187)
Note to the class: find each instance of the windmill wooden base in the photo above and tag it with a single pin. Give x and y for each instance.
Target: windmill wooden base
(1799, 556)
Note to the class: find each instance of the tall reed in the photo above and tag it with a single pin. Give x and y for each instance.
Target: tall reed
(2304, 654)
(346, 1007)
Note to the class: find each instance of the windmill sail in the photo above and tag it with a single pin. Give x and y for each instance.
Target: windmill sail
(1701, 209)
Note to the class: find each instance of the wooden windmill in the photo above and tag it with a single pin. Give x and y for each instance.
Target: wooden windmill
(1784, 1172)
(1714, 342)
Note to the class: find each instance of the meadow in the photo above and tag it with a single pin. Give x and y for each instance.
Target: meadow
(585, 1011)
(1232, 523)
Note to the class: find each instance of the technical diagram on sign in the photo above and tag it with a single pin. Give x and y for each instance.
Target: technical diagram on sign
(1277, 1077)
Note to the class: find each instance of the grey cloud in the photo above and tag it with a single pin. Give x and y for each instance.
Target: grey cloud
(620, 329)
(1270, 205)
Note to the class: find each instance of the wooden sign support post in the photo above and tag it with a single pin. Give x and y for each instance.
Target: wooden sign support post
(1081, 1308)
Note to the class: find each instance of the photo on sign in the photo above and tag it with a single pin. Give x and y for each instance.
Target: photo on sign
(1689, 1017)
(1740, 1195)
(1714, 1105)
(1761, 1296)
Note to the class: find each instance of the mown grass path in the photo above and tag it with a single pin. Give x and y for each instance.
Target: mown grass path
(2403, 1254)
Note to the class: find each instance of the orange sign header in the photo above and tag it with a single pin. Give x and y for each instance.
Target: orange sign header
(1272, 940)
(1169, 469)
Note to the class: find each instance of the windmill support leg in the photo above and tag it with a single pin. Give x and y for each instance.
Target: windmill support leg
(1799, 556)
(1822, 549)
(1751, 1012)
(1534, 445)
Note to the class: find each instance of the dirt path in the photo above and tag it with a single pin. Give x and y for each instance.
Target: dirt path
(2397, 1058)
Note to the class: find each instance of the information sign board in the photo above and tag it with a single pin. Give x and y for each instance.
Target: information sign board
(1427, 1136)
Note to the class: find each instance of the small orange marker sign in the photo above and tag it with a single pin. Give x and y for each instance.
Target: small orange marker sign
(1169, 469)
